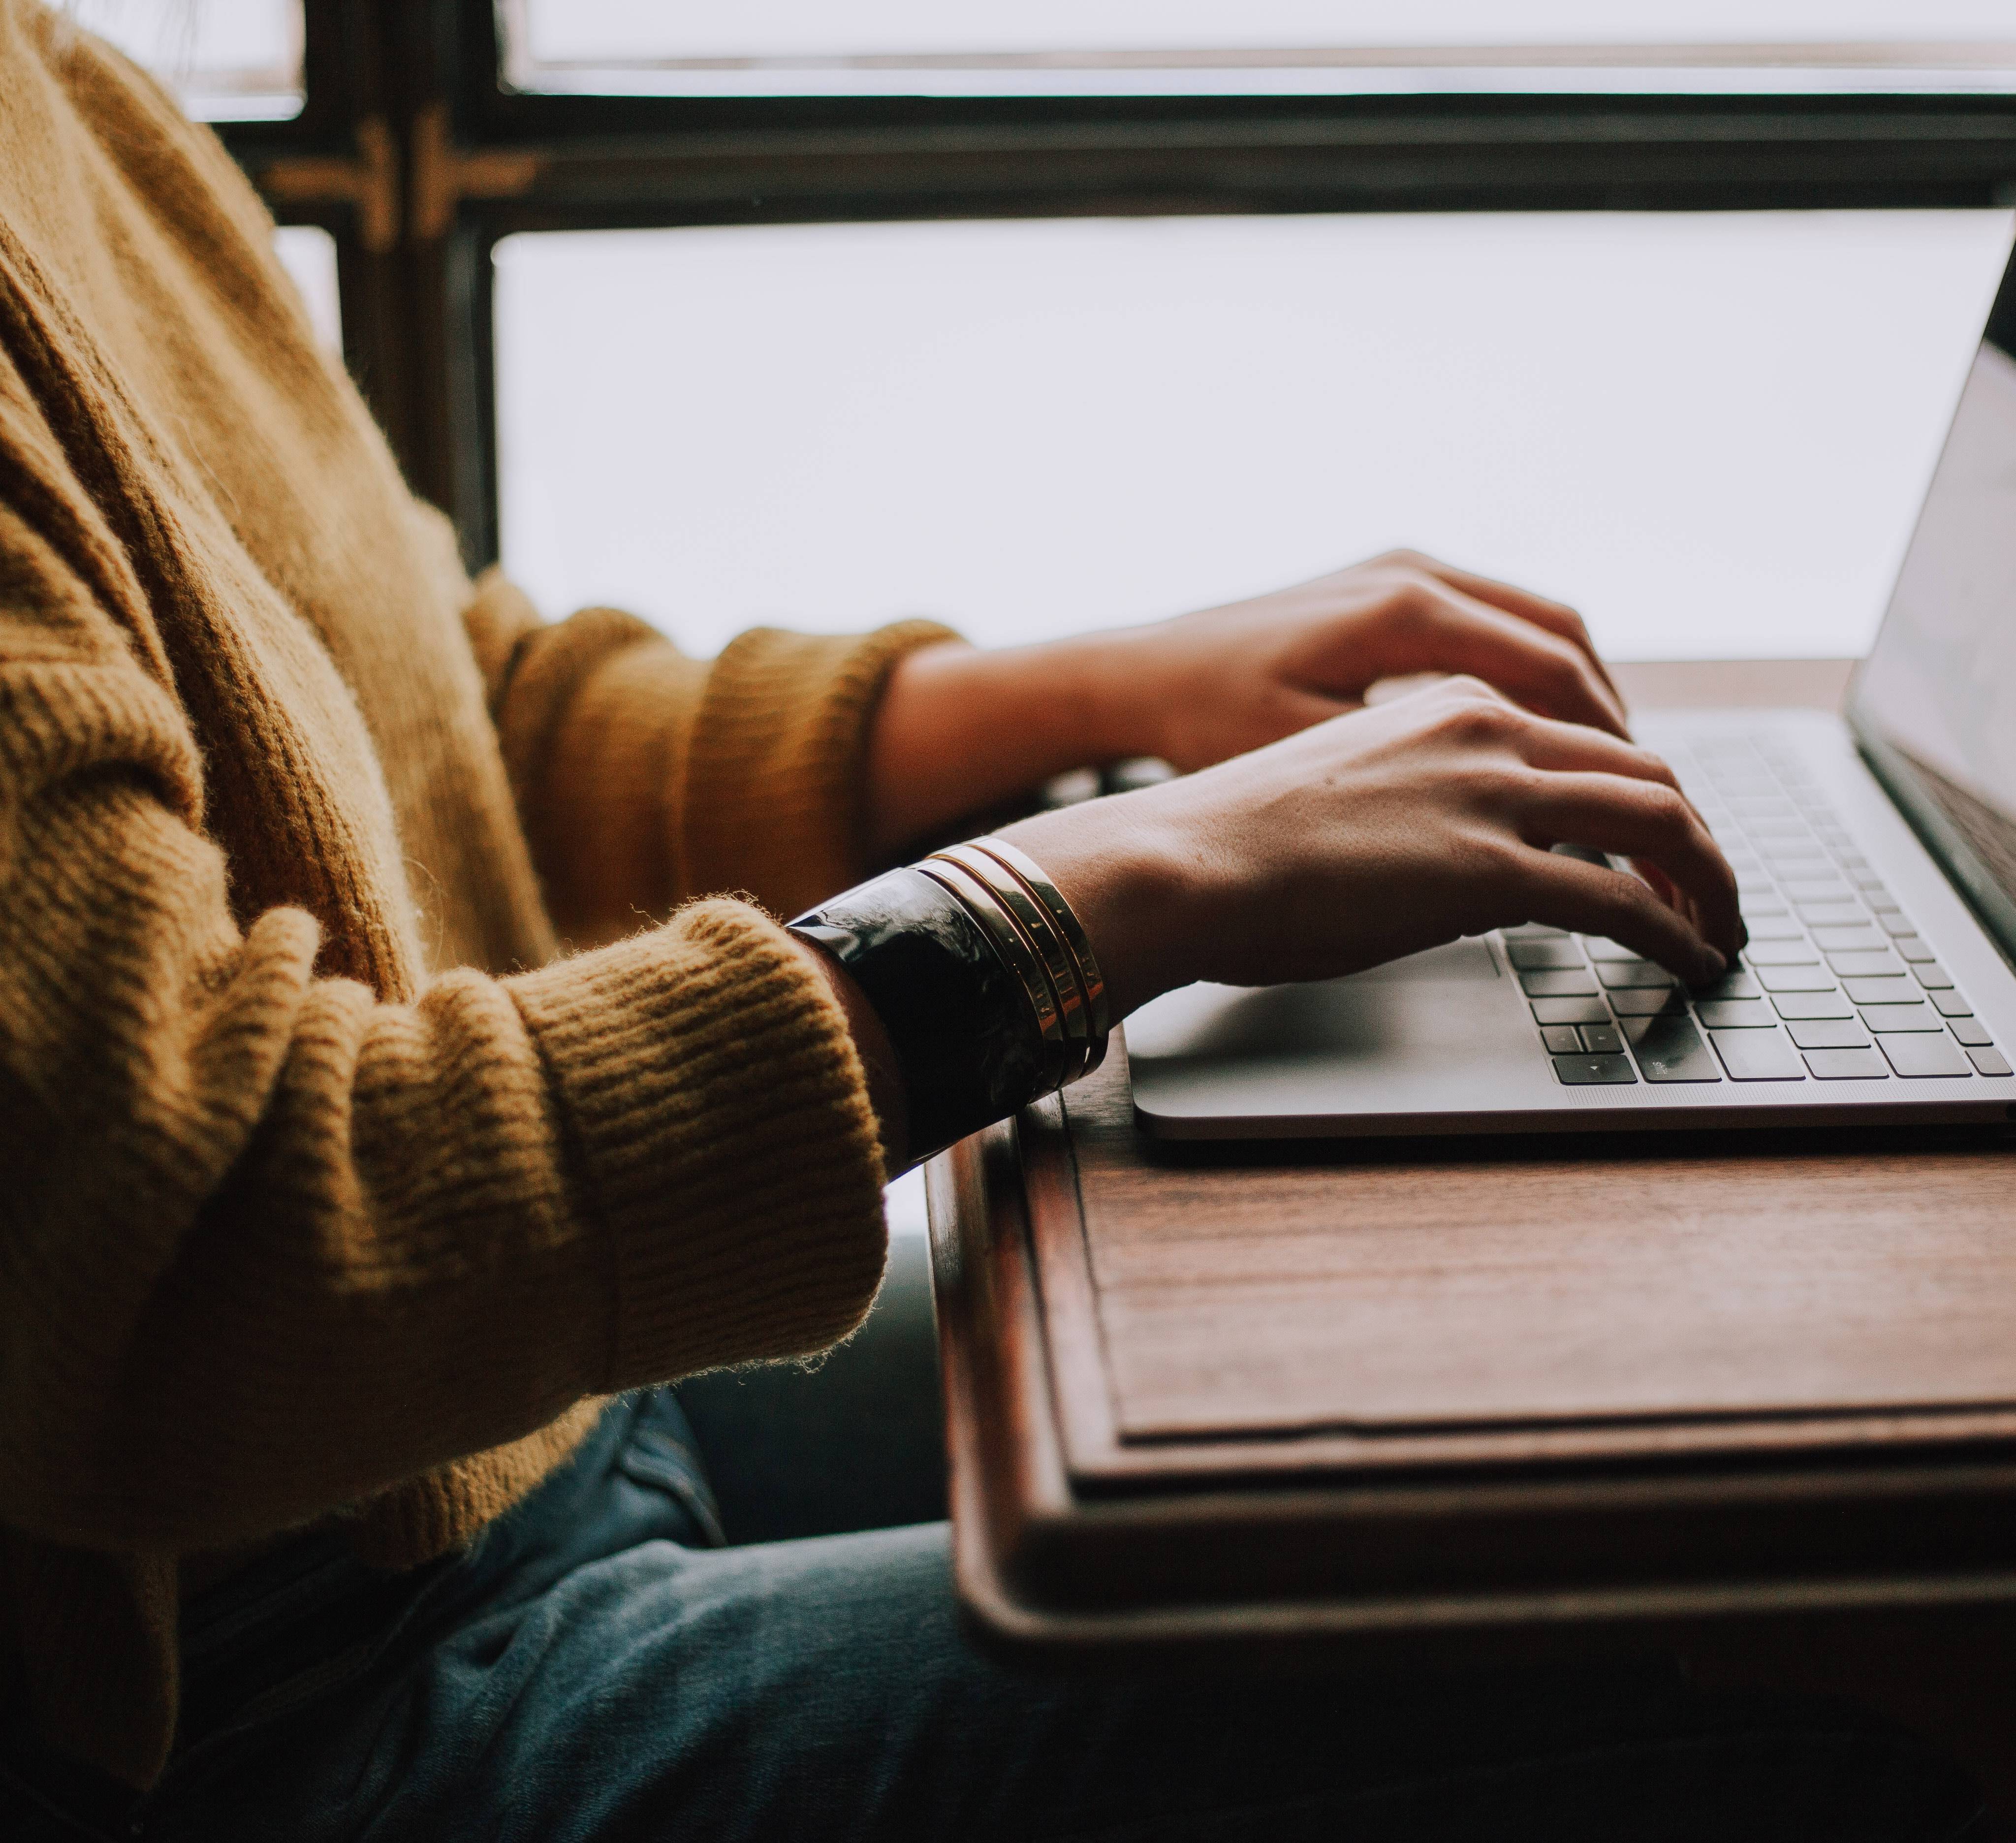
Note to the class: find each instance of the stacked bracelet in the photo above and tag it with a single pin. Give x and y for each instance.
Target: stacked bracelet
(982, 978)
(1007, 891)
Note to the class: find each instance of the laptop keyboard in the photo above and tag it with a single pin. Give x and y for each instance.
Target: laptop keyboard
(1836, 985)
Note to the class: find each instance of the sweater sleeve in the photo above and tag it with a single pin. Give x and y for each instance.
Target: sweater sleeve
(270, 1243)
(644, 777)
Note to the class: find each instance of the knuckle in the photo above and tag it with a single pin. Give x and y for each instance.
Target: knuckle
(1495, 786)
(1488, 860)
(1568, 672)
(1477, 721)
(1665, 806)
(1631, 903)
(1413, 607)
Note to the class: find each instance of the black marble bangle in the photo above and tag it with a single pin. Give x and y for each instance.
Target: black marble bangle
(967, 1042)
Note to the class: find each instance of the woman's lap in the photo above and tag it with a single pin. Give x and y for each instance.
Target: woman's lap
(595, 1678)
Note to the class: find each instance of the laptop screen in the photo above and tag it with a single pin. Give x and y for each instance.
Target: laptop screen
(1934, 704)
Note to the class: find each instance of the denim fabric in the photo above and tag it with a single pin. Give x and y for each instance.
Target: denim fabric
(596, 1669)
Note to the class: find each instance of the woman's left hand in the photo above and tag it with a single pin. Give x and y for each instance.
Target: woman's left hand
(961, 730)
(1229, 679)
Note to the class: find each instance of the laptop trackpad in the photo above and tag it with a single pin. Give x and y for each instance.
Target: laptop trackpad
(1395, 1036)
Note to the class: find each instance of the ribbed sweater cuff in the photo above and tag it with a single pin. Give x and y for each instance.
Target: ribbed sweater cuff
(776, 765)
(723, 1141)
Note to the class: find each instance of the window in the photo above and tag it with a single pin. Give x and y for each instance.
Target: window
(309, 255)
(1829, 177)
(1116, 48)
(228, 60)
(1711, 432)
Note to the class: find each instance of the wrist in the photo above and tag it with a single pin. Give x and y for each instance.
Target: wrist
(961, 729)
(878, 1055)
(1120, 692)
(1133, 884)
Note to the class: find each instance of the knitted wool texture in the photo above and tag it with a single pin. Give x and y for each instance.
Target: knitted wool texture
(332, 1188)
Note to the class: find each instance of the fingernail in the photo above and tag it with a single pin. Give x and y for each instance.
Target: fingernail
(1717, 963)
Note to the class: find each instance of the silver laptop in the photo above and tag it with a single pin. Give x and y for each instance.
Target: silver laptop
(1877, 856)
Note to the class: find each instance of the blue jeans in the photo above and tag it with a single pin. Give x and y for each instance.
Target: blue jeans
(599, 1667)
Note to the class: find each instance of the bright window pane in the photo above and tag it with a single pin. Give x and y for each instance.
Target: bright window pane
(228, 60)
(1711, 433)
(788, 47)
(308, 255)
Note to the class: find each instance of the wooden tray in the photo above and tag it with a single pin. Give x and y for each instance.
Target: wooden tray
(1297, 1395)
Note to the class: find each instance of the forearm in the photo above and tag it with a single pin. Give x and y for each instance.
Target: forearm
(961, 729)
(333, 1240)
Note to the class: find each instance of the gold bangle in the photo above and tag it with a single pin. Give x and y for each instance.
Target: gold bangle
(1040, 931)
(983, 905)
(1092, 981)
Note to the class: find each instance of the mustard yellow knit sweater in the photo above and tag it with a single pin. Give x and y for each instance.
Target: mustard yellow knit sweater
(329, 1186)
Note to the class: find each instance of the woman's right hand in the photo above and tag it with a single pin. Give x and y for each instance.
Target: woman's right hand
(1384, 832)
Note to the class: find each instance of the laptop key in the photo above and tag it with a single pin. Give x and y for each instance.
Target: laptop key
(1829, 1033)
(1847, 1065)
(1990, 1062)
(1533, 956)
(1795, 979)
(1670, 1049)
(1623, 976)
(1803, 890)
(1649, 1002)
(1534, 931)
(1597, 948)
(1738, 984)
(1893, 990)
(1894, 921)
(1921, 1056)
(1563, 1039)
(1735, 1013)
(1831, 914)
(1557, 986)
(1583, 1071)
(1901, 1020)
(1932, 976)
(1950, 1004)
(1764, 926)
(1970, 1030)
(1878, 962)
(1570, 1011)
(1813, 1004)
(1782, 953)
(1758, 1056)
(1864, 939)
(1912, 948)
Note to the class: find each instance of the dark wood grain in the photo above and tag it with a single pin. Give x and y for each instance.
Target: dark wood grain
(1407, 1290)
